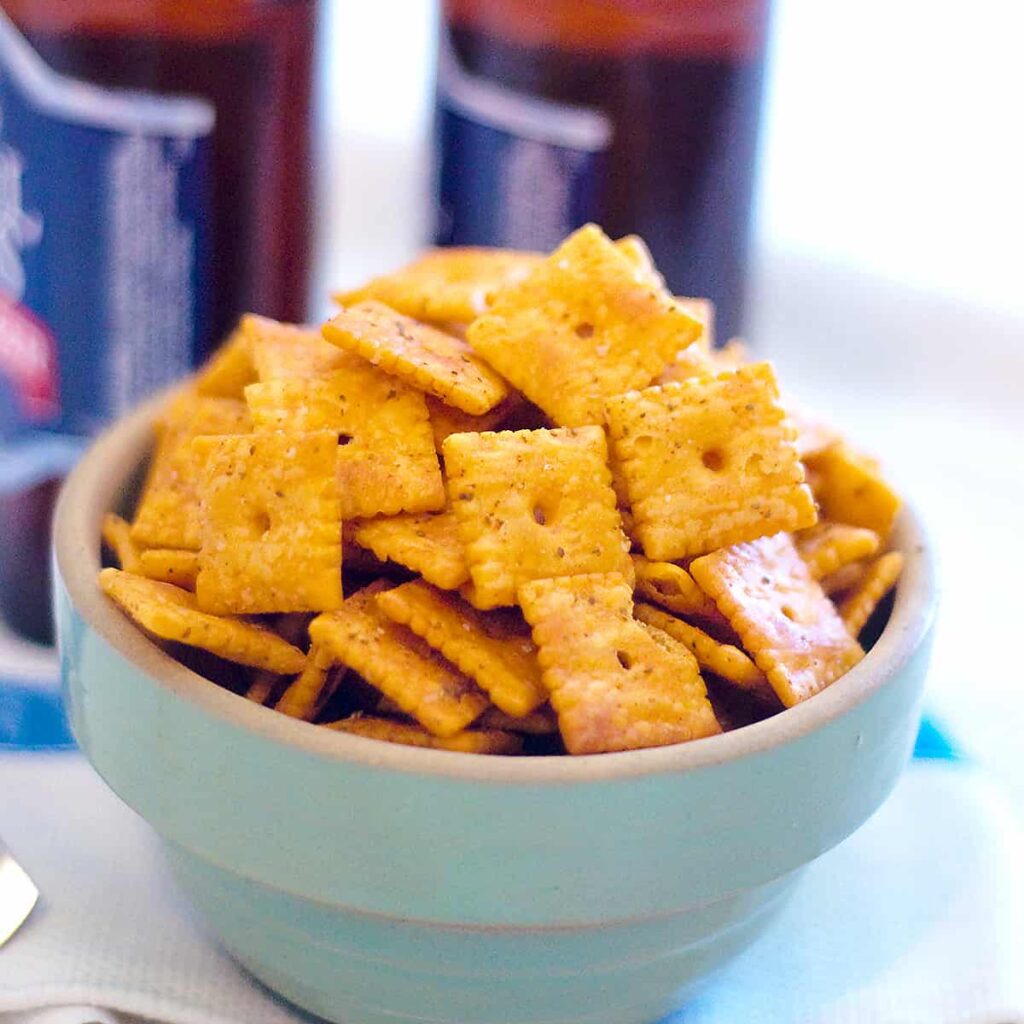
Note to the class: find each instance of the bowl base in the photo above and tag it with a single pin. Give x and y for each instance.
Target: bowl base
(348, 967)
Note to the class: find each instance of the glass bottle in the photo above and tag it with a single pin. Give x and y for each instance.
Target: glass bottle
(641, 115)
(154, 184)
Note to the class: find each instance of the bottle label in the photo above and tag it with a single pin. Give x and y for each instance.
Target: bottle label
(513, 170)
(103, 244)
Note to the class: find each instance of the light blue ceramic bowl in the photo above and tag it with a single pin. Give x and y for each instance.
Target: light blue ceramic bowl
(379, 884)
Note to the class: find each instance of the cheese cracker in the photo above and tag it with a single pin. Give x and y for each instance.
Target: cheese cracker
(533, 504)
(171, 614)
(427, 543)
(429, 359)
(167, 515)
(829, 546)
(452, 284)
(614, 685)
(879, 578)
(782, 616)
(398, 663)
(489, 648)
(726, 661)
(582, 327)
(708, 462)
(271, 523)
(471, 741)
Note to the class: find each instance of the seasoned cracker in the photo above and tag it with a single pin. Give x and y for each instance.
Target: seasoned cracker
(281, 351)
(672, 587)
(312, 688)
(428, 544)
(829, 546)
(169, 565)
(398, 663)
(425, 357)
(724, 660)
(493, 648)
(117, 535)
(533, 504)
(782, 616)
(708, 462)
(878, 579)
(386, 459)
(171, 614)
(850, 489)
(226, 373)
(472, 741)
(167, 515)
(614, 685)
(581, 328)
(451, 284)
(271, 523)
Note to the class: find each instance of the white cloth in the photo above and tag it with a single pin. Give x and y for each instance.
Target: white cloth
(917, 919)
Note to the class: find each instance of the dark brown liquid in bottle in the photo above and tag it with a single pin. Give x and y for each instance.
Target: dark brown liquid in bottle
(252, 62)
(681, 84)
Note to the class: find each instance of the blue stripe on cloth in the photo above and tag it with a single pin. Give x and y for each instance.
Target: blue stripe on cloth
(933, 744)
(32, 718)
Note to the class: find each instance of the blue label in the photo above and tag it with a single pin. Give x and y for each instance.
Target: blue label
(103, 243)
(513, 170)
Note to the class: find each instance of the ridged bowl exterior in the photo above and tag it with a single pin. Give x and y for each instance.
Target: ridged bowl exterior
(373, 883)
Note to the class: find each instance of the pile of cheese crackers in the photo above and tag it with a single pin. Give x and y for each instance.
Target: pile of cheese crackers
(505, 503)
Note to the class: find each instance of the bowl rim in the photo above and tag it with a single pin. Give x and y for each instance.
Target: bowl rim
(94, 485)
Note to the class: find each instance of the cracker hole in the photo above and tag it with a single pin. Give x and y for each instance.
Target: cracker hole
(624, 659)
(713, 459)
(261, 523)
(584, 330)
(540, 517)
(344, 439)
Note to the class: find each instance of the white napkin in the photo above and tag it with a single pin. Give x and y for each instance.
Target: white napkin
(917, 919)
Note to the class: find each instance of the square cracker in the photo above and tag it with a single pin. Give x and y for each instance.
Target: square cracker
(724, 660)
(428, 358)
(427, 543)
(398, 663)
(471, 741)
(494, 649)
(169, 565)
(533, 504)
(282, 351)
(787, 624)
(879, 578)
(167, 515)
(851, 490)
(271, 523)
(614, 684)
(451, 284)
(226, 373)
(709, 462)
(827, 546)
(386, 459)
(584, 326)
(171, 614)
